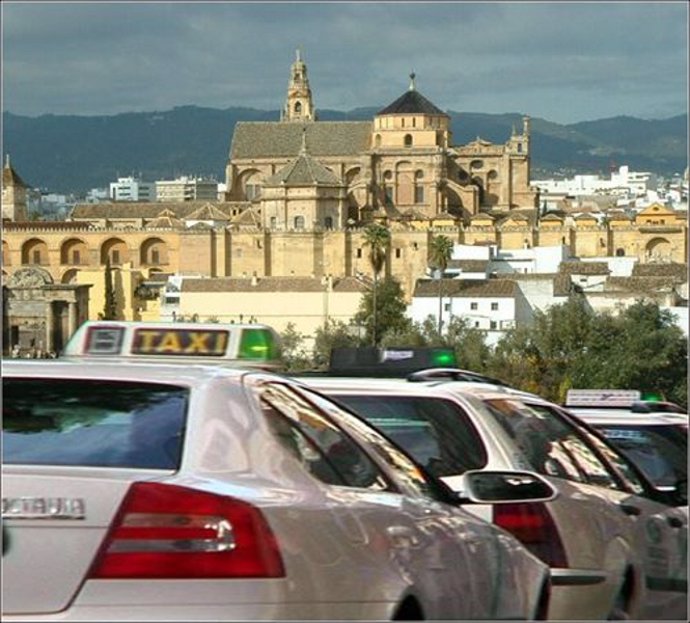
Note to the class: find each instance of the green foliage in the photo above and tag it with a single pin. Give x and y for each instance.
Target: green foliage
(440, 252)
(334, 334)
(382, 310)
(569, 346)
(110, 306)
(295, 359)
(377, 238)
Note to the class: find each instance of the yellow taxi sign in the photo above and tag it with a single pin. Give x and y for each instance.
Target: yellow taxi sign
(253, 344)
(176, 341)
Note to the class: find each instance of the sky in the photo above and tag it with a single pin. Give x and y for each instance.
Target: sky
(561, 61)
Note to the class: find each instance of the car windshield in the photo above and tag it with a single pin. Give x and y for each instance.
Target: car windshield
(92, 423)
(434, 431)
(660, 451)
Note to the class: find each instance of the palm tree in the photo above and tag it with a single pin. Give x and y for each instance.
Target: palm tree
(377, 238)
(440, 252)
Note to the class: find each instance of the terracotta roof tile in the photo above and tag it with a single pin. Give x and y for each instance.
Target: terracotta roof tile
(274, 139)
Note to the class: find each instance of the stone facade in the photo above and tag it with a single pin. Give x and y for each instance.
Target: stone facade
(301, 192)
(13, 195)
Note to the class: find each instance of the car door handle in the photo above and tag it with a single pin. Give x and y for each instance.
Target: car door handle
(675, 522)
(629, 509)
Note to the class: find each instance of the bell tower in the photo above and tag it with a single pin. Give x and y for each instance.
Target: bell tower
(298, 105)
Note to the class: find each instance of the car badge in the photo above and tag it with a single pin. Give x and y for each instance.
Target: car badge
(43, 508)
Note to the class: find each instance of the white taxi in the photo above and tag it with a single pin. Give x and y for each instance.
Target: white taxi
(657, 442)
(135, 491)
(615, 549)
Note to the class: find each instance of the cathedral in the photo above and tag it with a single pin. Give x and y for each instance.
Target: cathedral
(299, 195)
(300, 172)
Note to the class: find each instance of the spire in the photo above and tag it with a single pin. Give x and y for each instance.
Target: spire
(412, 77)
(298, 104)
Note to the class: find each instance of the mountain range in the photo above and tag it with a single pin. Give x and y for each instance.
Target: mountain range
(72, 154)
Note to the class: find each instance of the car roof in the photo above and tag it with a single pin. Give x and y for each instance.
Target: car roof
(448, 389)
(118, 370)
(627, 417)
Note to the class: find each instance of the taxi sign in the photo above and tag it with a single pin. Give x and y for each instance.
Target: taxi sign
(180, 342)
(254, 345)
(602, 397)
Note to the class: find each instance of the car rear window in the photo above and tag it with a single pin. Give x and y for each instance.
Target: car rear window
(436, 432)
(93, 423)
(661, 452)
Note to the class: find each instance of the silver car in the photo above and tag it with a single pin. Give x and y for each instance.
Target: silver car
(168, 492)
(616, 549)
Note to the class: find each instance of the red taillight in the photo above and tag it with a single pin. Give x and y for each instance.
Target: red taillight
(532, 525)
(168, 531)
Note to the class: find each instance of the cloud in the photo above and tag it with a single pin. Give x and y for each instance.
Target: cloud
(563, 61)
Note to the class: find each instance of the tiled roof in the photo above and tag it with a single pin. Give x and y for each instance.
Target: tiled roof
(562, 285)
(249, 217)
(643, 285)
(584, 268)
(466, 288)
(148, 210)
(11, 178)
(273, 139)
(659, 270)
(303, 171)
(45, 225)
(208, 212)
(470, 266)
(270, 284)
(411, 102)
(166, 220)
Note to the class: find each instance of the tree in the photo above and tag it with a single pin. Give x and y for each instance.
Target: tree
(334, 334)
(570, 346)
(377, 238)
(110, 307)
(295, 359)
(440, 252)
(387, 311)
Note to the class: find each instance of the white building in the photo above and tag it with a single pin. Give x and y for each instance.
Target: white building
(481, 261)
(186, 189)
(132, 189)
(492, 306)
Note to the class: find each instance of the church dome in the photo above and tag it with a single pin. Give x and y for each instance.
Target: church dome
(411, 102)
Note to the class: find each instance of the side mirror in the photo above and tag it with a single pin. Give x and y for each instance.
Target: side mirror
(492, 487)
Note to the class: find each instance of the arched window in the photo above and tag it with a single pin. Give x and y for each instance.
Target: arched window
(328, 221)
(299, 222)
(408, 140)
(418, 187)
(620, 252)
(377, 140)
(298, 108)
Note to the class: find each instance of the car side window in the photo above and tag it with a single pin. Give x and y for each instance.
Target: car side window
(540, 444)
(575, 442)
(394, 457)
(326, 451)
(436, 432)
(625, 471)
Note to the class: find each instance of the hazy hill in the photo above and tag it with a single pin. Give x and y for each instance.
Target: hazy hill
(75, 153)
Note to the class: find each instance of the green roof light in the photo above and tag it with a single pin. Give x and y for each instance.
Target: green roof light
(444, 358)
(258, 344)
